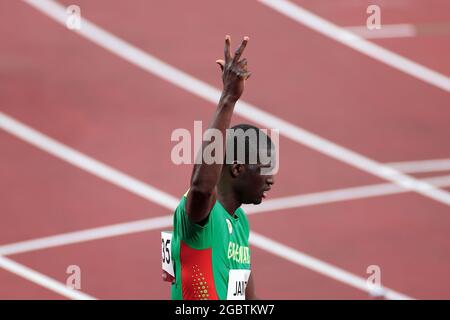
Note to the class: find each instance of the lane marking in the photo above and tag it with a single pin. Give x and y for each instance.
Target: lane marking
(84, 162)
(181, 79)
(345, 194)
(42, 280)
(161, 222)
(319, 266)
(86, 235)
(102, 171)
(386, 31)
(332, 31)
(405, 30)
(405, 182)
(258, 240)
(421, 166)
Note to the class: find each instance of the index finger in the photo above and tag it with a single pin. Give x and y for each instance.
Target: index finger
(227, 53)
(240, 50)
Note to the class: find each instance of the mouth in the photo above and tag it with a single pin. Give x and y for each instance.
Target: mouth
(264, 194)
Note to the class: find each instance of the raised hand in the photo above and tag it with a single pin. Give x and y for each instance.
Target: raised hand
(234, 70)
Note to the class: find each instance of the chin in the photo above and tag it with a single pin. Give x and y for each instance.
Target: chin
(254, 201)
(257, 201)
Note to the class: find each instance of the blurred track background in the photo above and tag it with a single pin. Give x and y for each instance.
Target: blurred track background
(86, 118)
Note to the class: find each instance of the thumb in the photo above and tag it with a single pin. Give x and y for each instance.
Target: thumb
(221, 63)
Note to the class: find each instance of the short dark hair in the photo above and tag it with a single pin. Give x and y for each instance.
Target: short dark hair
(252, 140)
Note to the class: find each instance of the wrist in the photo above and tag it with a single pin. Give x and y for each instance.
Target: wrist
(228, 99)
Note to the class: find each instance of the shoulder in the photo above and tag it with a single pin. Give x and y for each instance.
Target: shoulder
(181, 215)
(198, 236)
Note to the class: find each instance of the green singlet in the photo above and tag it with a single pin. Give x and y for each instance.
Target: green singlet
(211, 261)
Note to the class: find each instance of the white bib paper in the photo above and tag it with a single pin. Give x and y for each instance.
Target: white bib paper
(166, 252)
(237, 282)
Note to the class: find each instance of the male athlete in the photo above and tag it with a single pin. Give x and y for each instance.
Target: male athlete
(210, 249)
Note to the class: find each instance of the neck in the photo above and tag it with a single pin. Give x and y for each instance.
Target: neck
(227, 198)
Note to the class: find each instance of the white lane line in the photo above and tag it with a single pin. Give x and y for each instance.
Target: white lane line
(319, 266)
(421, 166)
(214, 99)
(98, 169)
(85, 162)
(246, 110)
(42, 280)
(357, 43)
(269, 205)
(91, 234)
(344, 194)
(386, 31)
(325, 197)
(256, 239)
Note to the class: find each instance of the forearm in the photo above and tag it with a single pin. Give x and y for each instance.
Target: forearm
(205, 176)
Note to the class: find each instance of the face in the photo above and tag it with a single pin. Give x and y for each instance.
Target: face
(252, 186)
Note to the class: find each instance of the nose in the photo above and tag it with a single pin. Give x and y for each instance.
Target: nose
(270, 180)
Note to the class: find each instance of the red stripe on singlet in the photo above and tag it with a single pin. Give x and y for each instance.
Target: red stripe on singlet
(197, 280)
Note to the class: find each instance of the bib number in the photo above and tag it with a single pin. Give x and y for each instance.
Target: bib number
(166, 252)
(237, 282)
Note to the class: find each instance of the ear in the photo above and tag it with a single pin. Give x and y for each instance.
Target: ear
(236, 169)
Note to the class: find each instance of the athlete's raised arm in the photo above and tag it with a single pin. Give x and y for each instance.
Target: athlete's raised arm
(201, 196)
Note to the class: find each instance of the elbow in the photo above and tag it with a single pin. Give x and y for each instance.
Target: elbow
(202, 185)
(199, 203)
(201, 189)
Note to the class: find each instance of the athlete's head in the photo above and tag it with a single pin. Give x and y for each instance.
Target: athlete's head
(249, 160)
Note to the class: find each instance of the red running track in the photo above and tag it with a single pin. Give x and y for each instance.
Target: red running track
(78, 93)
